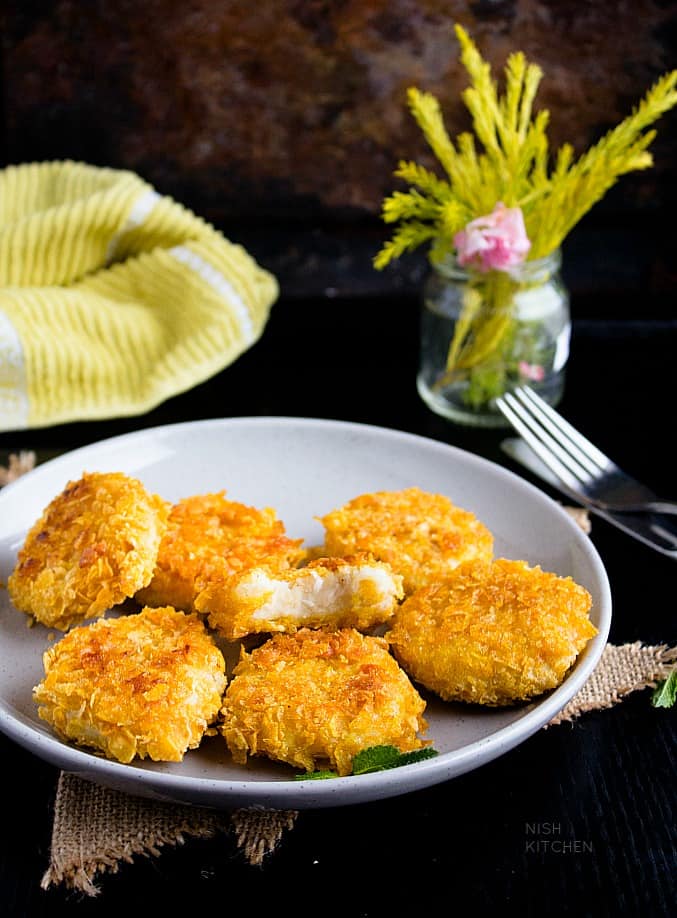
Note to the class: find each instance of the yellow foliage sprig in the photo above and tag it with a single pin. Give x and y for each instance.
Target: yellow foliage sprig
(512, 164)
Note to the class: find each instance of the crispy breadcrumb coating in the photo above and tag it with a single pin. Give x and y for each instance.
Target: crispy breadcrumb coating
(94, 545)
(208, 538)
(318, 697)
(328, 592)
(422, 536)
(492, 633)
(143, 685)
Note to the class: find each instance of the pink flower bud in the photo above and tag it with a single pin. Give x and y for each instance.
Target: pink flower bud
(532, 371)
(496, 241)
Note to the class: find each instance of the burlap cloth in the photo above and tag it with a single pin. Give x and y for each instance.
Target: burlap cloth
(97, 829)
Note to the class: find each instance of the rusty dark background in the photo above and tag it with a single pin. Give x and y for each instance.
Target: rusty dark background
(281, 121)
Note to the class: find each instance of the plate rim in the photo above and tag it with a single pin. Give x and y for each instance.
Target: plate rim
(307, 793)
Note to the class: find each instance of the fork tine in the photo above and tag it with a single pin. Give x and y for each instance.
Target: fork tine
(542, 443)
(585, 452)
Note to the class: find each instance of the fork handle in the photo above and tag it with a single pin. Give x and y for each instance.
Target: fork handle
(646, 506)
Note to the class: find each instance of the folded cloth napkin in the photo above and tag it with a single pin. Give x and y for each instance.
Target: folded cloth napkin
(112, 297)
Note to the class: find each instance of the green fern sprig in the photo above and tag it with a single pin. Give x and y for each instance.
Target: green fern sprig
(406, 238)
(425, 180)
(512, 163)
(410, 205)
(576, 186)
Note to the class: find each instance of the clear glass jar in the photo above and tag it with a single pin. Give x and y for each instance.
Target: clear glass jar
(484, 333)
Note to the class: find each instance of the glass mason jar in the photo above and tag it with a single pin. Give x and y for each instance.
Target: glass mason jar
(484, 333)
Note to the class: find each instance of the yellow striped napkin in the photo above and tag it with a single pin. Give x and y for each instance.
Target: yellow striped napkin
(112, 297)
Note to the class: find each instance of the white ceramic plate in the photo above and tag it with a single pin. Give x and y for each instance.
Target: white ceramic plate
(303, 468)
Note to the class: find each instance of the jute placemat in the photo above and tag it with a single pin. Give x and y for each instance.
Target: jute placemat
(96, 829)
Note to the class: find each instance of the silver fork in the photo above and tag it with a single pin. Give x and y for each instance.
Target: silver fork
(578, 463)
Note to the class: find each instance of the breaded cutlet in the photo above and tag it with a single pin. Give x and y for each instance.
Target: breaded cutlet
(422, 536)
(317, 698)
(492, 633)
(353, 592)
(142, 685)
(94, 545)
(208, 538)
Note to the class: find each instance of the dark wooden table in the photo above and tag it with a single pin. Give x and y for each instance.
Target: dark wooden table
(606, 781)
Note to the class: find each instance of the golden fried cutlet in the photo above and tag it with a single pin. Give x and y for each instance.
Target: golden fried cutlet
(209, 538)
(95, 544)
(146, 685)
(328, 592)
(422, 536)
(318, 697)
(493, 633)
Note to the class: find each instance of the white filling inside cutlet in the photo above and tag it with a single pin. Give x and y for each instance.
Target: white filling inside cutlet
(313, 593)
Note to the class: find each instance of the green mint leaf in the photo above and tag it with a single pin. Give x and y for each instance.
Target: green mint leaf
(375, 758)
(418, 755)
(316, 775)
(665, 693)
(379, 758)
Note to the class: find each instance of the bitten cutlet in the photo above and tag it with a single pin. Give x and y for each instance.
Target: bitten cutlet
(422, 536)
(95, 545)
(328, 592)
(142, 685)
(208, 538)
(317, 698)
(492, 633)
